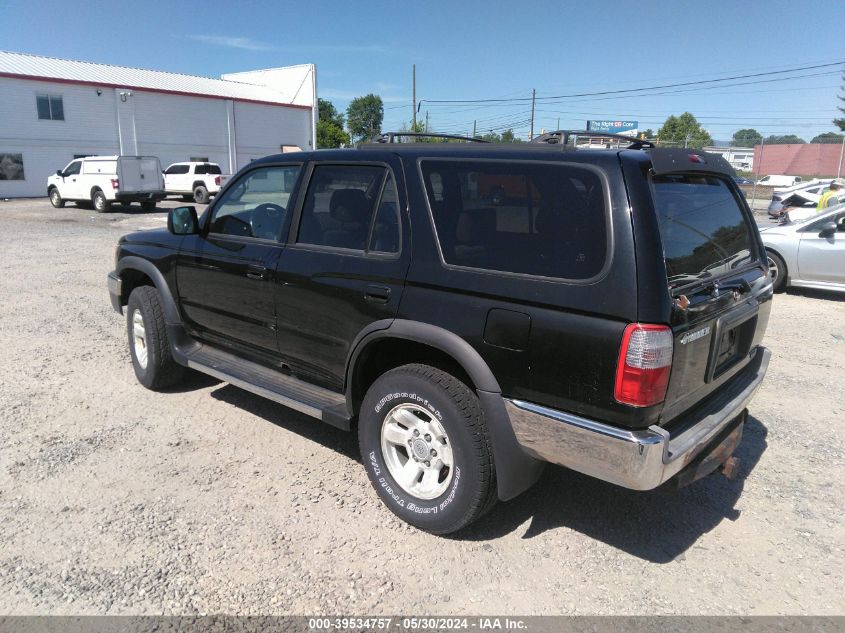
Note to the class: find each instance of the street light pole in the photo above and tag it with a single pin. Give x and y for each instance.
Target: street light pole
(841, 152)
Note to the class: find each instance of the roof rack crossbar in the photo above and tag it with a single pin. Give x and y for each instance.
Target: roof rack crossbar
(562, 137)
(389, 137)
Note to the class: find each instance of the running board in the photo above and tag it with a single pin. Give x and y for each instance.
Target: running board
(323, 404)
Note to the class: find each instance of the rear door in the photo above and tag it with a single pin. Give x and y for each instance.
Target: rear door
(345, 266)
(226, 275)
(822, 258)
(151, 179)
(129, 174)
(717, 284)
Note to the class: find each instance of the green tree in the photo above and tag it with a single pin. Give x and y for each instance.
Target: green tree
(784, 139)
(685, 131)
(840, 123)
(747, 137)
(649, 133)
(364, 116)
(509, 137)
(330, 131)
(828, 137)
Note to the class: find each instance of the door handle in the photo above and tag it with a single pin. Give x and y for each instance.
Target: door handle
(256, 272)
(377, 294)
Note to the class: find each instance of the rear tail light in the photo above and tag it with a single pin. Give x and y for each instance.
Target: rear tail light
(645, 362)
(115, 183)
(217, 180)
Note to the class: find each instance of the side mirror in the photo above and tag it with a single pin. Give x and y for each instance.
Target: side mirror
(183, 221)
(828, 229)
(59, 172)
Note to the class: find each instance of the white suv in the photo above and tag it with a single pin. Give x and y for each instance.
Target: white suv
(102, 180)
(196, 180)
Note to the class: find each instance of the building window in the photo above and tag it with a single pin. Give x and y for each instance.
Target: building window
(11, 167)
(50, 107)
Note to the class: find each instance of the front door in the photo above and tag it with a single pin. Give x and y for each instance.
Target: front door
(344, 268)
(823, 258)
(225, 275)
(72, 187)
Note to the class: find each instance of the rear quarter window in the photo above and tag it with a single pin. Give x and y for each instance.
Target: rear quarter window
(530, 218)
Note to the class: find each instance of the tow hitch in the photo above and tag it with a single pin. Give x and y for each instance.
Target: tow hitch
(719, 455)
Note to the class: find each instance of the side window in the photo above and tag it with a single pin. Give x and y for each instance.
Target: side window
(539, 219)
(73, 168)
(257, 205)
(384, 234)
(339, 205)
(176, 170)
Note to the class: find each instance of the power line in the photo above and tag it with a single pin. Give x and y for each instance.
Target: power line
(643, 89)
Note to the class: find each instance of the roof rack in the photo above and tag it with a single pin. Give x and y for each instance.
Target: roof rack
(390, 137)
(561, 137)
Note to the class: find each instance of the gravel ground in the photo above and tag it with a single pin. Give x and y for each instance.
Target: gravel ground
(206, 499)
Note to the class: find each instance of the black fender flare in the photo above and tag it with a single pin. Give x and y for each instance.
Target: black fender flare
(171, 311)
(515, 470)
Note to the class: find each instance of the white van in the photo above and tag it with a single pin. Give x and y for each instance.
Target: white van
(779, 181)
(102, 180)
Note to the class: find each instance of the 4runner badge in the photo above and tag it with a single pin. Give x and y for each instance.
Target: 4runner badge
(689, 337)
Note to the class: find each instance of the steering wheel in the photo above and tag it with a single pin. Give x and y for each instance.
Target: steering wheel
(267, 220)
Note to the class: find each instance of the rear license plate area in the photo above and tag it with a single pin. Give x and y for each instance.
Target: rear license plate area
(731, 342)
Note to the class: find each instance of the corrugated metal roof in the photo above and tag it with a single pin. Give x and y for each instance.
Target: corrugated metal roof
(30, 66)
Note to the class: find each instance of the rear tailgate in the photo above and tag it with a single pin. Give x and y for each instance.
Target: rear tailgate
(715, 280)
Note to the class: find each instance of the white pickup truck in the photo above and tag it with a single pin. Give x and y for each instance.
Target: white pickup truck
(199, 181)
(102, 180)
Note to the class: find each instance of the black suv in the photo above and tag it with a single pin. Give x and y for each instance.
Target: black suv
(475, 310)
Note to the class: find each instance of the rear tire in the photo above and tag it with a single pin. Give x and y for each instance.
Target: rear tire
(56, 198)
(777, 270)
(99, 201)
(201, 195)
(426, 448)
(148, 206)
(148, 343)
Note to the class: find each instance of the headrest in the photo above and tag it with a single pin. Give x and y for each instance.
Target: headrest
(349, 205)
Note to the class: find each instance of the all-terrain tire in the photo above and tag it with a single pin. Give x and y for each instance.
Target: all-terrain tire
(439, 396)
(201, 195)
(149, 347)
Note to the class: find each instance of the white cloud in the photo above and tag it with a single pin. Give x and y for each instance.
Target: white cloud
(248, 44)
(243, 43)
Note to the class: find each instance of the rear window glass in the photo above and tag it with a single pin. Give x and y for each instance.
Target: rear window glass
(538, 219)
(208, 169)
(703, 228)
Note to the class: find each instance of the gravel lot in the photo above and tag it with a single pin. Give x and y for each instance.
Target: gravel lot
(118, 500)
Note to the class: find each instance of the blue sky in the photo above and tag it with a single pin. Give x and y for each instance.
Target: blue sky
(481, 50)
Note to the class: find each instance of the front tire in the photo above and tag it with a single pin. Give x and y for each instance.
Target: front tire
(426, 448)
(101, 204)
(148, 206)
(201, 195)
(148, 343)
(777, 270)
(56, 198)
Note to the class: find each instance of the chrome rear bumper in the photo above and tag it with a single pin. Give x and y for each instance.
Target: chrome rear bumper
(640, 460)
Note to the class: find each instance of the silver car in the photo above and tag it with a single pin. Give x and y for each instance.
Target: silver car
(808, 253)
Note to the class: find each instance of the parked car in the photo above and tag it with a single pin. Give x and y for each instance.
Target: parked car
(103, 180)
(199, 181)
(802, 195)
(808, 253)
(779, 181)
(380, 289)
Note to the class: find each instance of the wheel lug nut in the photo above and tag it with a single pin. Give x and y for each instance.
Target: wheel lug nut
(427, 463)
(416, 433)
(433, 453)
(427, 437)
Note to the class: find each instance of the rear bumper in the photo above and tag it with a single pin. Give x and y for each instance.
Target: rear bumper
(139, 196)
(640, 460)
(115, 291)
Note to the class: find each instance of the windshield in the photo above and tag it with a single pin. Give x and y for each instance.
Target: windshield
(703, 228)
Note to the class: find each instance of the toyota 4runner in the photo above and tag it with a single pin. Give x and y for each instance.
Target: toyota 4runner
(604, 312)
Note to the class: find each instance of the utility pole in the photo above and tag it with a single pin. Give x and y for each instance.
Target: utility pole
(558, 124)
(533, 97)
(757, 170)
(426, 121)
(473, 136)
(841, 152)
(414, 102)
